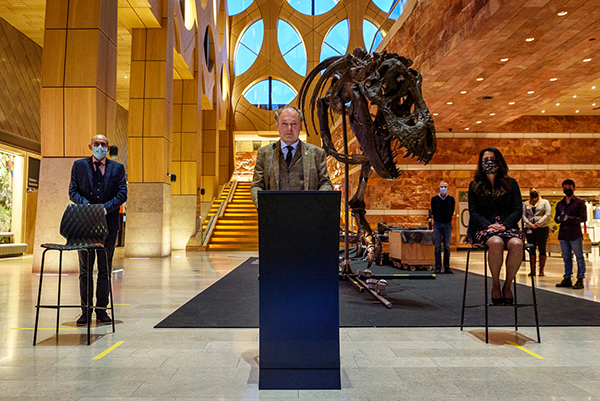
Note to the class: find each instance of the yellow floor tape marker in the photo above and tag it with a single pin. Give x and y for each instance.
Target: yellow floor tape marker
(525, 350)
(106, 352)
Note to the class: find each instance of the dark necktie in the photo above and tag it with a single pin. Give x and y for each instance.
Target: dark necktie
(288, 158)
(97, 172)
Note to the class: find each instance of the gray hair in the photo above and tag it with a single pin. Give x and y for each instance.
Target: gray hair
(443, 182)
(297, 110)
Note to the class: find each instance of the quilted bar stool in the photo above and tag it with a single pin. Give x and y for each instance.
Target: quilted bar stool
(484, 248)
(85, 229)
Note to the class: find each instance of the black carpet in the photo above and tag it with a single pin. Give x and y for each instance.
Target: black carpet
(232, 302)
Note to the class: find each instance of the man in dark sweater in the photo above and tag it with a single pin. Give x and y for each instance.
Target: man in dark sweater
(442, 208)
(570, 213)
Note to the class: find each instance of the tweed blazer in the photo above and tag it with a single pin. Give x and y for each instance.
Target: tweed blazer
(541, 215)
(266, 169)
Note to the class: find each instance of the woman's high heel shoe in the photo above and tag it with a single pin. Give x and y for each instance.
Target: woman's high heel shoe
(497, 301)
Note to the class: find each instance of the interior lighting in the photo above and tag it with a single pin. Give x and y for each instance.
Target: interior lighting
(529, 39)
(593, 87)
(466, 129)
(449, 103)
(553, 79)
(492, 114)
(576, 111)
(593, 104)
(562, 13)
(585, 60)
(125, 76)
(511, 103)
(530, 92)
(479, 79)
(574, 96)
(477, 122)
(463, 92)
(558, 104)
(435, 114)
(543, 111)
(504, 59)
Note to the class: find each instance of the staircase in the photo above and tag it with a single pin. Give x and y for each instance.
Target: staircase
(237, 228)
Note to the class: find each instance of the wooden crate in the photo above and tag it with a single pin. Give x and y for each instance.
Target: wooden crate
(419, 254)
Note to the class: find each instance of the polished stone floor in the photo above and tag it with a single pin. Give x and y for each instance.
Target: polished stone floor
(143, 363)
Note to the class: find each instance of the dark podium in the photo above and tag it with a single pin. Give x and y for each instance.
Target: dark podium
(299, 289)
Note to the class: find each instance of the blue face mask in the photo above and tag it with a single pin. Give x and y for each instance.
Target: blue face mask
(99, 152)
(443, 190)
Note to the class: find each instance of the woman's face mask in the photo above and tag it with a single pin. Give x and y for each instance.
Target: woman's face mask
(489, 166)
(534, 195)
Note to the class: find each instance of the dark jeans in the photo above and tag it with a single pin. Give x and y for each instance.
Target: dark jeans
(442, 235)
(103, 272)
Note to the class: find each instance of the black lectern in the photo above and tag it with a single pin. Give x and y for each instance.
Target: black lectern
(299, 293)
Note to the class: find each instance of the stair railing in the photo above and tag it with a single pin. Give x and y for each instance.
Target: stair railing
(212, 223)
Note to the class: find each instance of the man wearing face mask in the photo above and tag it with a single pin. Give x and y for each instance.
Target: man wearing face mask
(570, 213)
(94, 180)
(442, 209)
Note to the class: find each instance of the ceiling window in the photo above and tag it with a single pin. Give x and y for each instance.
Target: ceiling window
(386, 5)
(336, 41)
(369, 31)
(291, 47)
(313, 7)
(237, 6)
(248, 47)
(270, 94)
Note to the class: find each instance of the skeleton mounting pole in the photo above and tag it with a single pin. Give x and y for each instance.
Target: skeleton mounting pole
(347, 269)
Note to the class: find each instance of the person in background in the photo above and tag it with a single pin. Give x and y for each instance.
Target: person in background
(570, 213)
(495, 208)
(442, 209)
(536, 215)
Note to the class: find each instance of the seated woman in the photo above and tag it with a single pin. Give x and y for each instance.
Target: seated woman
(495, 208)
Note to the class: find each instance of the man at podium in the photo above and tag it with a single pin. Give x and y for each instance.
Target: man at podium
(290, 164)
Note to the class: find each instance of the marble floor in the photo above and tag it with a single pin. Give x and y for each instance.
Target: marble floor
(139, 362)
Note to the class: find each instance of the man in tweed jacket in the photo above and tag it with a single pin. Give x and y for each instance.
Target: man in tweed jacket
(290, 164)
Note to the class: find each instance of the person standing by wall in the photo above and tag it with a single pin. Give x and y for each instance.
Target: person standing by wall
(442, 208)
(570, 213)
(536, 215)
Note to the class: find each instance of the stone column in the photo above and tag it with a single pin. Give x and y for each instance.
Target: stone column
(79, 65)
(150, 139)
(187, 158)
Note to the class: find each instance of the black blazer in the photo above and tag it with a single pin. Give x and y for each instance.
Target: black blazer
(483, 209)
(115, 187)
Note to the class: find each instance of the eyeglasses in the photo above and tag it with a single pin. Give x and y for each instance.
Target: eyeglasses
(103, 144)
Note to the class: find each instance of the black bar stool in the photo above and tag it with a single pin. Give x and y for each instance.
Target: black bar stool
(85, 229)
(484, 248)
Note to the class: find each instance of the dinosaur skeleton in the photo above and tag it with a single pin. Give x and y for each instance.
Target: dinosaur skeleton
(361, 82)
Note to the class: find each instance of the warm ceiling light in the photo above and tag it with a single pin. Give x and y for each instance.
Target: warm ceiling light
(529, 39)
(466, 129)
(593, 104)
(593, 87)
(574, 96)
(562, 13)
(585, 60)
(492, 114)
(449, 103)
(477, 122)
(576, 111)
(125, 76)
(558, 104)
(479, 79)
(530, 92)
(435, 114)
(543, 111)
(504, 59)
(511, 103)
(553, 79)
(463, 92)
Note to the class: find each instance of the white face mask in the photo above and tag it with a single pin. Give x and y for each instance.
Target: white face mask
(99, 152)
(443, 190)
